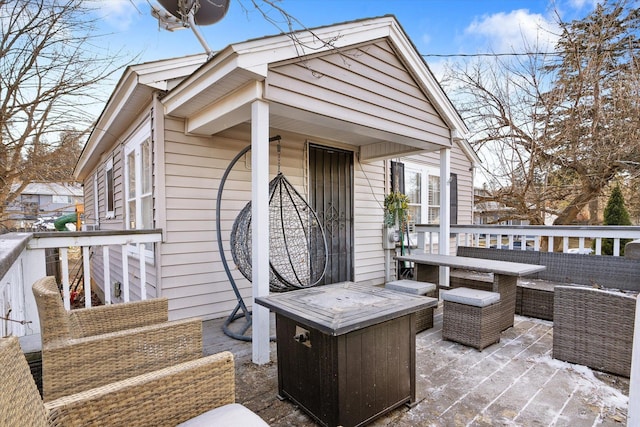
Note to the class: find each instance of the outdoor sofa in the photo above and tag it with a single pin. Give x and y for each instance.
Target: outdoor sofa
(535, 293)
(590, 298)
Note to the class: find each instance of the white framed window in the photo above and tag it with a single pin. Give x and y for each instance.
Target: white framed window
(110, 210)
(60, 199)
(422, 186)
(138, 180)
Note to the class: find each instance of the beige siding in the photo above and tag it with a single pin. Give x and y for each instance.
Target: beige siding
(369, 193)
(89, 199)
(116, 223)
(368, 84)
(192, 271)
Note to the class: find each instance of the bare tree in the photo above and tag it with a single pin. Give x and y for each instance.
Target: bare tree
(50, 63)
(556, 129)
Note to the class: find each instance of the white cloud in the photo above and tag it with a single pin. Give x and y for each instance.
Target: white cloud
(121, 14)
(518, 30)
(426, 39)
(579, 4)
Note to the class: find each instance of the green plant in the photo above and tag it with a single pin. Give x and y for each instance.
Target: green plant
(615, 213)
(396, 209)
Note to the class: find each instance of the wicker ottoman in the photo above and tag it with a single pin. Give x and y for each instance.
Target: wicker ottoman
(534, 298)
(424, 317)
(471, 317)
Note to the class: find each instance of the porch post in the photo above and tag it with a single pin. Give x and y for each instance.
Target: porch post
(445, 206)
(260, 227)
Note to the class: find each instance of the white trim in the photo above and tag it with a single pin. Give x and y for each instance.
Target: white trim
(445, 220)
(425, 201)
(229, 111)
(133, 147)
(260, 228)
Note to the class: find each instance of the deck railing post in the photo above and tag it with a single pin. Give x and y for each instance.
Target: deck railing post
(106, 271)
(125, 273)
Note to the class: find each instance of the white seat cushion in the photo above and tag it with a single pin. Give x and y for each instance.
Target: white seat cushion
(228, 416)
(471, 297)
(411, 287)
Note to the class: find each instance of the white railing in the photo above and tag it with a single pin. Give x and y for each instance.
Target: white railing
(13, 319)
(526, 237)
(23, 257)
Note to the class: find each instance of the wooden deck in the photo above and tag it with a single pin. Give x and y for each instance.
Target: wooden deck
(513, 383)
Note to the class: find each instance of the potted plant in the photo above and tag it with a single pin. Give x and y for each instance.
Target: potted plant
(396, 213)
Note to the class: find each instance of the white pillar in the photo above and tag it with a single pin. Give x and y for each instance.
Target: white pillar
(445, 207)
(260, 227)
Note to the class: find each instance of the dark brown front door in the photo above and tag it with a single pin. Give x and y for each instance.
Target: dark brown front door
(331, 196)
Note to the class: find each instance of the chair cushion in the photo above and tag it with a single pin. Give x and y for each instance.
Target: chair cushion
(411, 287)
(473, 297)
(230, 415)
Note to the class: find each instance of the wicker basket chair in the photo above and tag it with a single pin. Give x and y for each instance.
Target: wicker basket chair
(87, 348)
(184, 393)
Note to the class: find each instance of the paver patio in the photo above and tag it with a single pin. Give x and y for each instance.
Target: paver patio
(513, 383)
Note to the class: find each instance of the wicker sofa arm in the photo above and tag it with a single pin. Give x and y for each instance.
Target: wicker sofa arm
(86, 322)
(594, 327)
(162, 398)
(81, 364)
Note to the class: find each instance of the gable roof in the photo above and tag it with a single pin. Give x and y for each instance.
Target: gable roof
(51, 189)
(217, 94)
(251, 60)
(131, 94)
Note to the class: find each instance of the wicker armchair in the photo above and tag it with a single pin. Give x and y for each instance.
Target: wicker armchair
(165, 397)
(87, 348)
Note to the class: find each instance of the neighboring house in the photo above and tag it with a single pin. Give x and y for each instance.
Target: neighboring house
(43, 200)
(492, 212)
(343, 110)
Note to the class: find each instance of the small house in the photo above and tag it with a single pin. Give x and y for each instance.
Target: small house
(345, 102)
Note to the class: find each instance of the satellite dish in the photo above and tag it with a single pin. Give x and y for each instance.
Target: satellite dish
(205, 12)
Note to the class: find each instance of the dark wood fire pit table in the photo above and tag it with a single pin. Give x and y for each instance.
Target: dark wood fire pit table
(346, 352)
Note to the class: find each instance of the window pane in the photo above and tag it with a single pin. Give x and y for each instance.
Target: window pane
(415, 214)
(131, 175)
(147, 212)
(109, 190)
(434, 191)
(413, 186)
(132, 214)
(434, 215)
(145, 151)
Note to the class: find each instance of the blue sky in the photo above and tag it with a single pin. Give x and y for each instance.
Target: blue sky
(438, 27)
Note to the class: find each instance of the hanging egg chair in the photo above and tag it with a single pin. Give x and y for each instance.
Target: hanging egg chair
(297, 248)
(297, 252)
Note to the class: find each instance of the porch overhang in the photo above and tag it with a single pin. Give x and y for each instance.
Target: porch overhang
(234, 108)
(219, 94)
